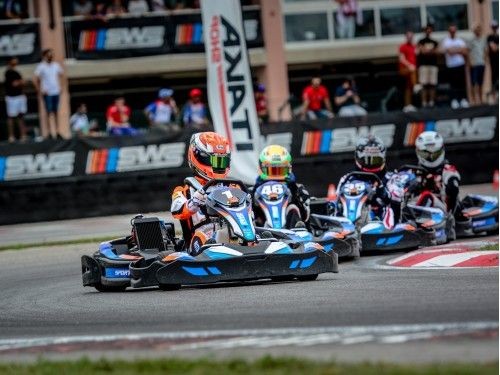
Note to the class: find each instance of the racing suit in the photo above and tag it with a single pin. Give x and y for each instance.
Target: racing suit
(187, 204)
(443, 182)
(298, 209)
(382, 205)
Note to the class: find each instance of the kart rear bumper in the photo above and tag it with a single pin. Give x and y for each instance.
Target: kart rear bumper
(403, 240)
(102, 271)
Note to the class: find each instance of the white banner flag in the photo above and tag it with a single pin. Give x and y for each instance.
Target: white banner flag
(230, 91)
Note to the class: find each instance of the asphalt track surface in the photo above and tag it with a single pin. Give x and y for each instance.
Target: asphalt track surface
(42, 296)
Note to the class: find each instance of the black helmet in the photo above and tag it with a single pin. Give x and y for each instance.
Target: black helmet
(370, 154)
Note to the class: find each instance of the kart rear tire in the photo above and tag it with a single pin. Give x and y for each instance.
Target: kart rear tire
(308, 277)
(169, 287)
(110, 288)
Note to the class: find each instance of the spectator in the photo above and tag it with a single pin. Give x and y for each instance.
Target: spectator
(493, 59)
(118, 117)
(455, 52)
(138, 7)
(116, 8)
(195, 113)
(162, 112)
(14, 9)
(316, 101)
(477, 48)
(408, 66)
(48, 76)
(261, 103)
(82, 8)
(158, 6)
(15, 100)
(427, 61)
(347, 15)
(347, 99)
(79, 122)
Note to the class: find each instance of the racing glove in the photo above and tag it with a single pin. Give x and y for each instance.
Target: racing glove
(198, 200)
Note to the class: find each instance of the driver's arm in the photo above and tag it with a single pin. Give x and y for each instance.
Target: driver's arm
(183, 208)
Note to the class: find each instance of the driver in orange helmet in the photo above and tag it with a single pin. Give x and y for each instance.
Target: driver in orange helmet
(209, 157)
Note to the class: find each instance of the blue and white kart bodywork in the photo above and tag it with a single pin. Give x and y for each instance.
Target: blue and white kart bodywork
(338, 235)
(483, 212)
(243, 255)
(374, 234)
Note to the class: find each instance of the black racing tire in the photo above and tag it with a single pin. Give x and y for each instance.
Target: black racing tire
(281, 279)
(308, 277)
(110, 288)
(169, 287)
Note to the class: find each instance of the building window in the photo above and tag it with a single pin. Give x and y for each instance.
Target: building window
(494, 10)
(395, 21)
(306, 27)
(365, 26)
(441, 16)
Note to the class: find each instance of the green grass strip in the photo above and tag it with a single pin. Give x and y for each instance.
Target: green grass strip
(22, 246)
(490, 246)
(265, 365)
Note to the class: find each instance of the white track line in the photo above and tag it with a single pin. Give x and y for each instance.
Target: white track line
(450, 260)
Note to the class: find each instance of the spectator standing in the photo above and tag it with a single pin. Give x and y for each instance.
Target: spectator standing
(427, 62)
(493, 59)
(477, 48)
(82, 8)
(194, 112)
(162, 112)
(316, 101)
(138, 7)
(158, 6)
(261, 103)
(455, 50)
(347, 15)
(118, 117)
(15, 100)
(48, 76)
(348, 101)
(408, 66)
(115, 8)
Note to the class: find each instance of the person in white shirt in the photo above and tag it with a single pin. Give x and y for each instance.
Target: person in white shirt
(48, 75)
(456, 51)
(138, 7)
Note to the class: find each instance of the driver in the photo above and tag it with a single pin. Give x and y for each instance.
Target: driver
(442, 178)
(370, 157)
(209, 157)
(275, 164)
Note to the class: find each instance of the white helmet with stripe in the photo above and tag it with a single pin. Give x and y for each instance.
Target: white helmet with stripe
(430, 149)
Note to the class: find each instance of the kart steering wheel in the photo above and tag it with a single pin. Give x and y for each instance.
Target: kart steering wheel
(225, 181)
(365, 174)
(406, 167)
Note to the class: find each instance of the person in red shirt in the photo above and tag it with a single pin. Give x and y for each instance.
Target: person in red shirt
(261, 103)
(117, 117)
(408, 66)
(316, 101)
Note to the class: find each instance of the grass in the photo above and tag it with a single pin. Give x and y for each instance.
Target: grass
(490, 246)
(265, 365)
(22, 246)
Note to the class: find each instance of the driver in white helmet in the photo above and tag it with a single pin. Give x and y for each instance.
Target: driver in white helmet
(442, 178)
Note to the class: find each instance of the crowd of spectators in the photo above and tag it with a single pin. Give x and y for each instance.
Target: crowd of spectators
(461, 57)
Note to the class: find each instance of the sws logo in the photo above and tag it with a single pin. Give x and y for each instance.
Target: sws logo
(135, 158)
(120, 38)
(188, 33)
(343, 139)
(25, 167)
(17, 44)
(454, 130)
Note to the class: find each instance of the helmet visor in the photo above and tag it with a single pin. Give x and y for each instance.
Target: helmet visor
(428, 155)
(276, 172)
(372, 162)
(220, 162)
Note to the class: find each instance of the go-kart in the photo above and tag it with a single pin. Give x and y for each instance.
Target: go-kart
(234, 253)
(375, 235)
(337, 234)
(481, 210)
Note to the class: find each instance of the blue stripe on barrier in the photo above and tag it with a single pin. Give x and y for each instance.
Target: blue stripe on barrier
(112, 160)
(2, 168)
(326, 138)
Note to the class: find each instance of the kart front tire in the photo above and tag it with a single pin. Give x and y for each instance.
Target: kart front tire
(169, 287)
(308, 277)
(110, 288)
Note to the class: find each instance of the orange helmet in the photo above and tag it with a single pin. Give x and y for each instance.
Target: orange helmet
(209, 155)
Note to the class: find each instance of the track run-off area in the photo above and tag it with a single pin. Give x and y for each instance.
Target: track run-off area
(370, 310)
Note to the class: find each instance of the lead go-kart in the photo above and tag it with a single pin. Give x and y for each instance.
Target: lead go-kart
(352, 204)
(334, 234)
(153, 256)
(429, 211)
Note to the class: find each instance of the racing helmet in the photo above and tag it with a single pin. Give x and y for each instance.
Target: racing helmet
(370, 154)
(429, 148)
(195, 93)
(275, 163)
(209, 155)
